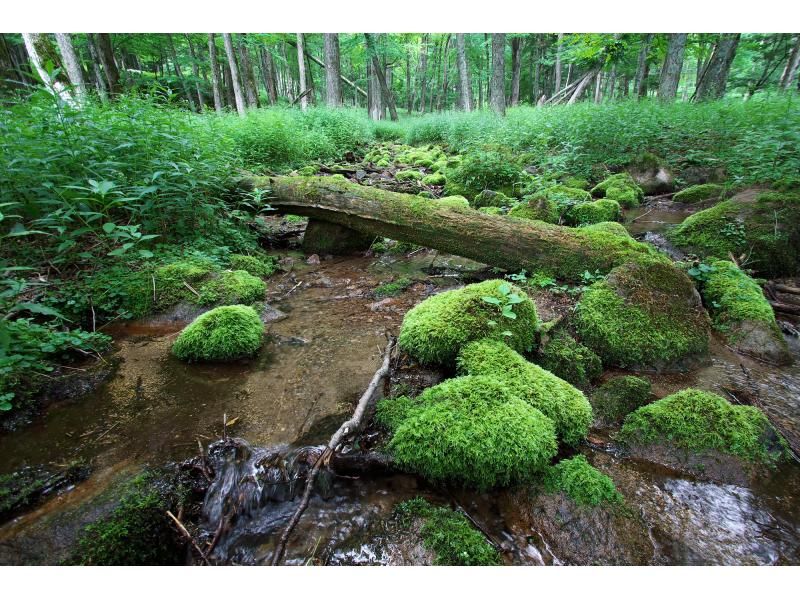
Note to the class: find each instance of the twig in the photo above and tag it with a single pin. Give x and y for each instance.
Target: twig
(351, 425)
(287, 293)
(188, 536)
(188, 286)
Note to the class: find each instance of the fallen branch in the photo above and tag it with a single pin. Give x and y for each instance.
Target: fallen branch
(785, 308)
(188, 536)
(783, 288)
(351, 425)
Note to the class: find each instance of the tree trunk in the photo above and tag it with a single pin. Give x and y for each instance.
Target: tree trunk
(215, 82)
(445, 62)
(388, 98)
(301, 68)
(584, 83)
(409, 97)
(106, 50)
(248, 74)
(72, 65)
(516, 63)
(375, 107)
(463, 73)
(510, 243)
(99, 78)
(715, 77)
(598, 87)
(557, 66)
(268, 74)
(196, 73)
(177, 68)
(423, 73)
(233, 69)
(40, 52)
(498, 99)
(673, 64)
(792, 66)
(643, 67)
(333, 83)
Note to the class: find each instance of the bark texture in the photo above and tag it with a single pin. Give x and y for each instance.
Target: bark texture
(673, 63)
(106, 49)
(498, 90)
(234, 72)
(715, 76)
(333, 82)
(215, 81)
(72, 65)
(463, 73)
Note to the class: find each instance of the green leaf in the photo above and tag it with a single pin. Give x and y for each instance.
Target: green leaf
(492, 300)
(109, 227)
(504, 288)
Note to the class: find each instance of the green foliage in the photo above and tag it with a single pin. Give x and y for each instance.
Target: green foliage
(580, 481)
(394, 288)
(481, 170)
(261, 266)
(733, 297)
(473, 431)
(232, 286)
(435, 330)
(593, 212)
(225, 333)
(619, 396)
(697, 193)
(561, 402)
(569, 360)
(448, 534)
(697, 420)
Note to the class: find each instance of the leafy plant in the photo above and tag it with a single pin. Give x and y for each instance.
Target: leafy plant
(505, 304)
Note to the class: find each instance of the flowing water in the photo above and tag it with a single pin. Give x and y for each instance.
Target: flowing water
(282, 406)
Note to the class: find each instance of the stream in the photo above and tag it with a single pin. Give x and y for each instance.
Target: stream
(324, 344)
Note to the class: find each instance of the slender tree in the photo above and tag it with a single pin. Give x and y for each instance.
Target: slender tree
(106, 50)
(516, 66)
(41, 53)
(463, 73)
(215, 82)
(378, 69)
(673, 64)
(72, 65)
(423, 72)
(643, 67)
(715, 76)
(233, 71)
(333, 71)
(100, 82)
(301, 68)
(445, 60)
(498, 97)
(247, 72)
(269, 76)
(195, 72)
(178, 73)
(557, 65)
(792, 66)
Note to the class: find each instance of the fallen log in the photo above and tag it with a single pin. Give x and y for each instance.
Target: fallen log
(782, 288)
(509, 243)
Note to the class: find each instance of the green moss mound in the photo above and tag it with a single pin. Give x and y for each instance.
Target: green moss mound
(619, 396)
(614, 228)
(232, 287)
(584, 484)
(171, 281)
(222, 334)
(435, 330)
(261, 266)
(536, 207)
(697, 193)
(621, 188)
(564, 404)
(696, 420)
(576, 183)
(491, 211)
(491, 199)
(592, 212)
(448, 534)
(408, 175)
(437, 179)
(569, 360)
(453, 201)
(481, 170)
(643, 315)
(763, 227)
(471, 431)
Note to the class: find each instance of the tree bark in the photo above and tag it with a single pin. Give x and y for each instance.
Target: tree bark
(582, 85)
(301, 68)
(388, 97)
(375, 107)
(445, 63)
(72, 65)
(177, 68)
(463, 73)
(715, 76)
(557, 66)
(423, 73)
(498, 99)
(642, 67)
(215, 82)
(234, 74)
(673, 64)
(99, 78)
(792, 66)
(516, 63)
(195, 73)
(333, 84)
(40, 52)
(106, 50)
(248, 74)
(268, 74)
(409, 96)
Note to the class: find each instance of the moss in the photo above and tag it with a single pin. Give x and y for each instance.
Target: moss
(584, 484)
(171, 281)
(383, 163)
(536, 207)
(435, 330)
(614, 228)
(231, 287)
(453, 201)
(491, 211)
(696, 420)
(592, 212)
(436, 179)
(643, 315)
(766, 231)
(561, 402)
(484, 170)
(136, 532)
(569, 360)
(621, 188)
(619, 396)
(473, 431)
(408, 175)
(222, 334)
(488, 199)
(309, 170)
(576, 183)
(392, 289)
(697, 193)
(448, 534)
(733, 297)
(262, 266)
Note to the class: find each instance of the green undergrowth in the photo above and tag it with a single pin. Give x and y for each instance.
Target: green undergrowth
(584, 484)
(393, 288)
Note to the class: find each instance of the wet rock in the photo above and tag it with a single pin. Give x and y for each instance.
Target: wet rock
(29, 486)
(313, 260)
(388, 304)
(272, 314)
(651, 174)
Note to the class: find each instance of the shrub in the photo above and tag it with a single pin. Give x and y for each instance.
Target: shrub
(231, 287)
(697, 420)
(564, 404)
(697, 193)
(580, 481)
(473, 431)
(619, 396)
(223, 334)
(569, 360)
(435, 330)
(261, 266)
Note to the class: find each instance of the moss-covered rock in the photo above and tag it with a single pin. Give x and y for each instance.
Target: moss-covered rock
(697, 193)
(584, 484)
(484, 170)
(618, 397)
(471, 431)
(593, 212)
(536, 207)
(171, 280)
(489, 199)
(262, 265)
(651, 173)
(614, 228)
(222, 334)
(408, 175)
(569, 360)
(697, 421)
(644, 315)
(436, 179)
(564, 404)
(576, 183)
(232, 287)
(763, 227)
(434, 331)
(448, 534)
(491, 211)
(621, 188)
(453, 201)
(740, 311)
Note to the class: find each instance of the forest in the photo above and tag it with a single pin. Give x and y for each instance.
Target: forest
(399, 298)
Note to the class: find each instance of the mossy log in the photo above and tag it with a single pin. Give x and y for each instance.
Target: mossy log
(509, 243)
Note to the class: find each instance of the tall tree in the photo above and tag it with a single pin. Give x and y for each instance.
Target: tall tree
(792, 66)
(233, 69)
(446, 61)
(463, 73)
(301, 68)
(195, 72)
(673, 64)
(498, 96)
(106, 50)
(557, 65)
(41, 53)
(72, 65)
(714, 79)
(643, 66)
(269, 75)
(215, 82)
(378, 70)
(247, 72)
(178, 73)
(100, 82)
(516, 63)
(333, 71)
